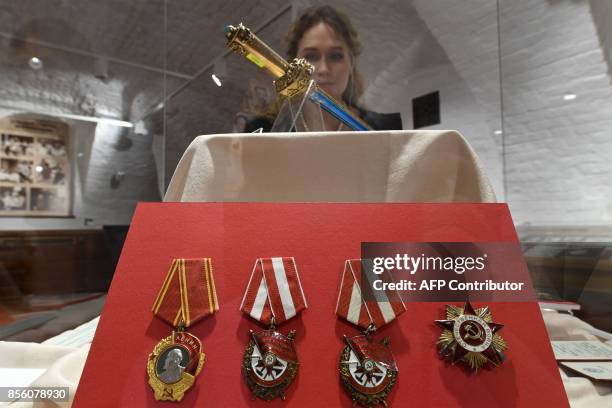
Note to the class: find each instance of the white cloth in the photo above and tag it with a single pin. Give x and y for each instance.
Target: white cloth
(386, 166)
(63, 367)
(61, 357)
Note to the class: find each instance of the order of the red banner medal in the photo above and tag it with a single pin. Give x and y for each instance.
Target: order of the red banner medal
(367, 367)
(187, 296)
(469, 336)
(273, 295)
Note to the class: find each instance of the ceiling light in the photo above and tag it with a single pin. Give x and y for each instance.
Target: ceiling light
(35, 63)
(569, 97)
(39, 169)
(498, 132)
(216, 79)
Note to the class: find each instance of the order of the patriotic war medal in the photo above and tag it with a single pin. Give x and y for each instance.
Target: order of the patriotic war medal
(187, 296)
(270, 363)
(273, 296)
(174, 364)
(368, 370)
(470, 336)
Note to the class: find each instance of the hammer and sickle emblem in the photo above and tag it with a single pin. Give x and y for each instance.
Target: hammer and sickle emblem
(168, 393)
(473, 332)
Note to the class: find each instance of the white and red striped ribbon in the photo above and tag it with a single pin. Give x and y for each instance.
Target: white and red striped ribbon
(353, 304)
(274, 290)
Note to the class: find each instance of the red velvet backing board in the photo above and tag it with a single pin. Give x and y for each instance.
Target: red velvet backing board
(320, 237)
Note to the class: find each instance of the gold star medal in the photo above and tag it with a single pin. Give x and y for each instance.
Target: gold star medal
(273, 296)
(367, 367)
(470, 336)
(187, 296)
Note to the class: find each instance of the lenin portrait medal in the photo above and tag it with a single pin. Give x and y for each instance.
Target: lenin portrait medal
(174, 364)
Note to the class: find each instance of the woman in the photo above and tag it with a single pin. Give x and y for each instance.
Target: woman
(326, 38)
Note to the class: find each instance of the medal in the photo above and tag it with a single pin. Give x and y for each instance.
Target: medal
(273, 296)
(187, 296)
(367, 367)
(469, 336)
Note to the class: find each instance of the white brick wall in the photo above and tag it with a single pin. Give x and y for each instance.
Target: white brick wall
(558, 153)
(468, 33)
(458, 56)
(458, 110)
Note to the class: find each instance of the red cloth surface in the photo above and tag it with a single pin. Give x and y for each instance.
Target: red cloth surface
(320, 237)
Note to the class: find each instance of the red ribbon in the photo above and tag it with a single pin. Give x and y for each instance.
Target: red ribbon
(274, 291)
(359, 304)
(188, 293)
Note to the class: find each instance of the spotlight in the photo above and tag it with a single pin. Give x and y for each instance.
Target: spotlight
(569, 97)
(219, 70)
(39, 169)
(498, 132)
(35, 63)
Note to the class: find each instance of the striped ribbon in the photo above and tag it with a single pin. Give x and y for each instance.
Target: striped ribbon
(274, 290)
(188, 292)
(360, 304)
